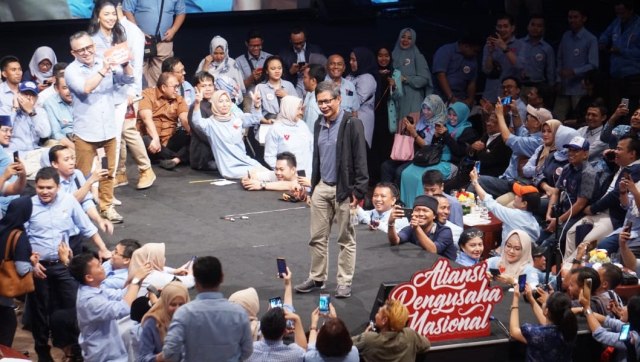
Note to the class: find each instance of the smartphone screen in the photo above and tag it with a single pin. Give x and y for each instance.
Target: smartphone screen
(477, 166)
(522, 281)
(282, 267)
(625, 101)
(16, 156)
(408, 213)
(624, 332)
(628, 226)
(105, 163)
(302, 173)
(323, 303)
(275, 302)
(494, 272)
(506, 100)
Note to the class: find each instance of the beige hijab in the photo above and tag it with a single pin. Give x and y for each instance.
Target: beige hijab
(152, 253)
(217, 113)
(517, 268)
(159, 310)
(554, 124)
(248, 299)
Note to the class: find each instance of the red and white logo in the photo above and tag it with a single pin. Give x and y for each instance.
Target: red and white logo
(449, 303)
(286, 137)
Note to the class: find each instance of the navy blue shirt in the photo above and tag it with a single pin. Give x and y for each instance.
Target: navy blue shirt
(460, 71)
(441, 236)
(577, 182)
(327, 143)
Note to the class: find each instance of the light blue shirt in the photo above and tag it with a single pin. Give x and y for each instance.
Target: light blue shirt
(292, 137)
(493, 87)
(365, 217)
(135, 41)
(188, 93)
(311, 110)
(609, 334)
(529, 270)
(513, 219)
(102, 44)
(60, 116)
(312, 355)
(98, 312)
(5, 160)
(270, 102)
(459, 71)
(579, 52)
(54, 222)
(455, 215)
(116, 278)
(208, 326)
(245, 67)
(28, 130)
(276, 351)
(539, 61)
(94, 113)
(227, 144)
(465, 260)
(6, 99)
(350, 100)
(147, 13)
(68, 186)
(627, 61)
(522, 145)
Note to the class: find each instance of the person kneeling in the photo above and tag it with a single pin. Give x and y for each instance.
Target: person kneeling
(423, 229)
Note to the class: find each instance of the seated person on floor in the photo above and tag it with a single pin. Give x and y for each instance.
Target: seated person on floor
(98, 309)
(284, 176)
(117, 268)
(159, 112)
(444, 212)
(520, 217)
(433, 184)
(160, 275)
(385, 195)
(610, 278)
(200, 156)
(273, 326)
(577, 182)
(423, 229)
(515, 260)
(63, 159)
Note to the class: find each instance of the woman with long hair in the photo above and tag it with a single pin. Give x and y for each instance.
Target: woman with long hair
(331, 342)
(104, 27)
(553, 339)
(155, 322)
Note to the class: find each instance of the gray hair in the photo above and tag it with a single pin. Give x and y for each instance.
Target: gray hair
(78, 35)
(328, 86)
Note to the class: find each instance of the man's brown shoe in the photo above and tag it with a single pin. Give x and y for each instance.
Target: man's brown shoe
(147, 177)
(121, 180)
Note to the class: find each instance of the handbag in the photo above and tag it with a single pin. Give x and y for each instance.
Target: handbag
(402, 149)
(428, 155)
(151, 41)
(11, 283)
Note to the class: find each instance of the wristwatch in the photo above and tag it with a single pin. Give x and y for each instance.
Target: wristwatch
(135, 281)
(32, 114)
(587, 311)
(263, 185)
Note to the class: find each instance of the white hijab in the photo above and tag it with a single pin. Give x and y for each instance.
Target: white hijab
(39, 55)
(289, 110)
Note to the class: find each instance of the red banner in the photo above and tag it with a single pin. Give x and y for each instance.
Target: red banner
(449, 303)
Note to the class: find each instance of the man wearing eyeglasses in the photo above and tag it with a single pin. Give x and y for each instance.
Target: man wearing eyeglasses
(251, 62)
(297, 57)
(340, 181)
(160, 111)
(92, 81)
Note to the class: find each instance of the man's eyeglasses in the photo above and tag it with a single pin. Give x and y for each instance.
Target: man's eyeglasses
(87, 49)
(324, 102)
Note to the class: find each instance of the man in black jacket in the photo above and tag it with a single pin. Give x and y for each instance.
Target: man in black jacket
(297, 57)
(339, 182)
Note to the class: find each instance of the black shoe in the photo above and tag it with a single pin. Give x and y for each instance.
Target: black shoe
(309, 285)
(43, 354)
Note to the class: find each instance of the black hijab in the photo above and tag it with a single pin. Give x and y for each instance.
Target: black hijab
(383, 73)
(18, 212)
(367, 62)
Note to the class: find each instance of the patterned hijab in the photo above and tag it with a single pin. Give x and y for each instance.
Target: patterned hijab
(289, 110)
(437, 107)
(515, 269)
(159, 311)
(222, 67)
(217, 113)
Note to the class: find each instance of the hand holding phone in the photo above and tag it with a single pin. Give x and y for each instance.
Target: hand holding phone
(625, 102)
(628, 226)
(522, 282)
(282, 267)
(323, 303)
(16, 156)
(624, 332)
(104, 162)
(275, 302)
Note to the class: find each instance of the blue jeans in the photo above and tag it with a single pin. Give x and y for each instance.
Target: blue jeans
(610, 243)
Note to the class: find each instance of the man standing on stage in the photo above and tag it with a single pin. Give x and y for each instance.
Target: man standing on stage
(340, 180)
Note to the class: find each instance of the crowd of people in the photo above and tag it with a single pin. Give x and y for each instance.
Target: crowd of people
(550, 147)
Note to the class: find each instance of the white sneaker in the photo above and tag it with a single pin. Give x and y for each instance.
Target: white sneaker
(116, 202)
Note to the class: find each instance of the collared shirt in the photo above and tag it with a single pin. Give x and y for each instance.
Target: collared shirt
(327, 143)
(513, 219)
(5, 160)
(147, 13)
(98, 312)
(247, 67)
(365, 217)
(188, 93)
(60, 116)
(577, 182)
(439, 234)
(311, 110)
(70, 185)
(350, 101)
(459, 70)
(577, 51)
(271, 103)
(455, 216)
(102, 44)
(208, 326)
(28, 130)
(93, 113)
(493, 87)
(164, 112)
(116, 278)
(596, 146)
(521, 145)
(54, 222)
(6, 99)
(276, 351)
(626, 61)
(538, 60)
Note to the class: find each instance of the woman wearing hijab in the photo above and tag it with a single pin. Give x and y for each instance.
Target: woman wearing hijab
(161, 275)
(456, 134)
(41, 67)
(224, 129)
(415, 73)
(289, 133)
(433, 111)
(516, 260)
(18, 212)
(388, 90)
(155, 322)
(363, 70)
(248, 299)
(218, 63)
